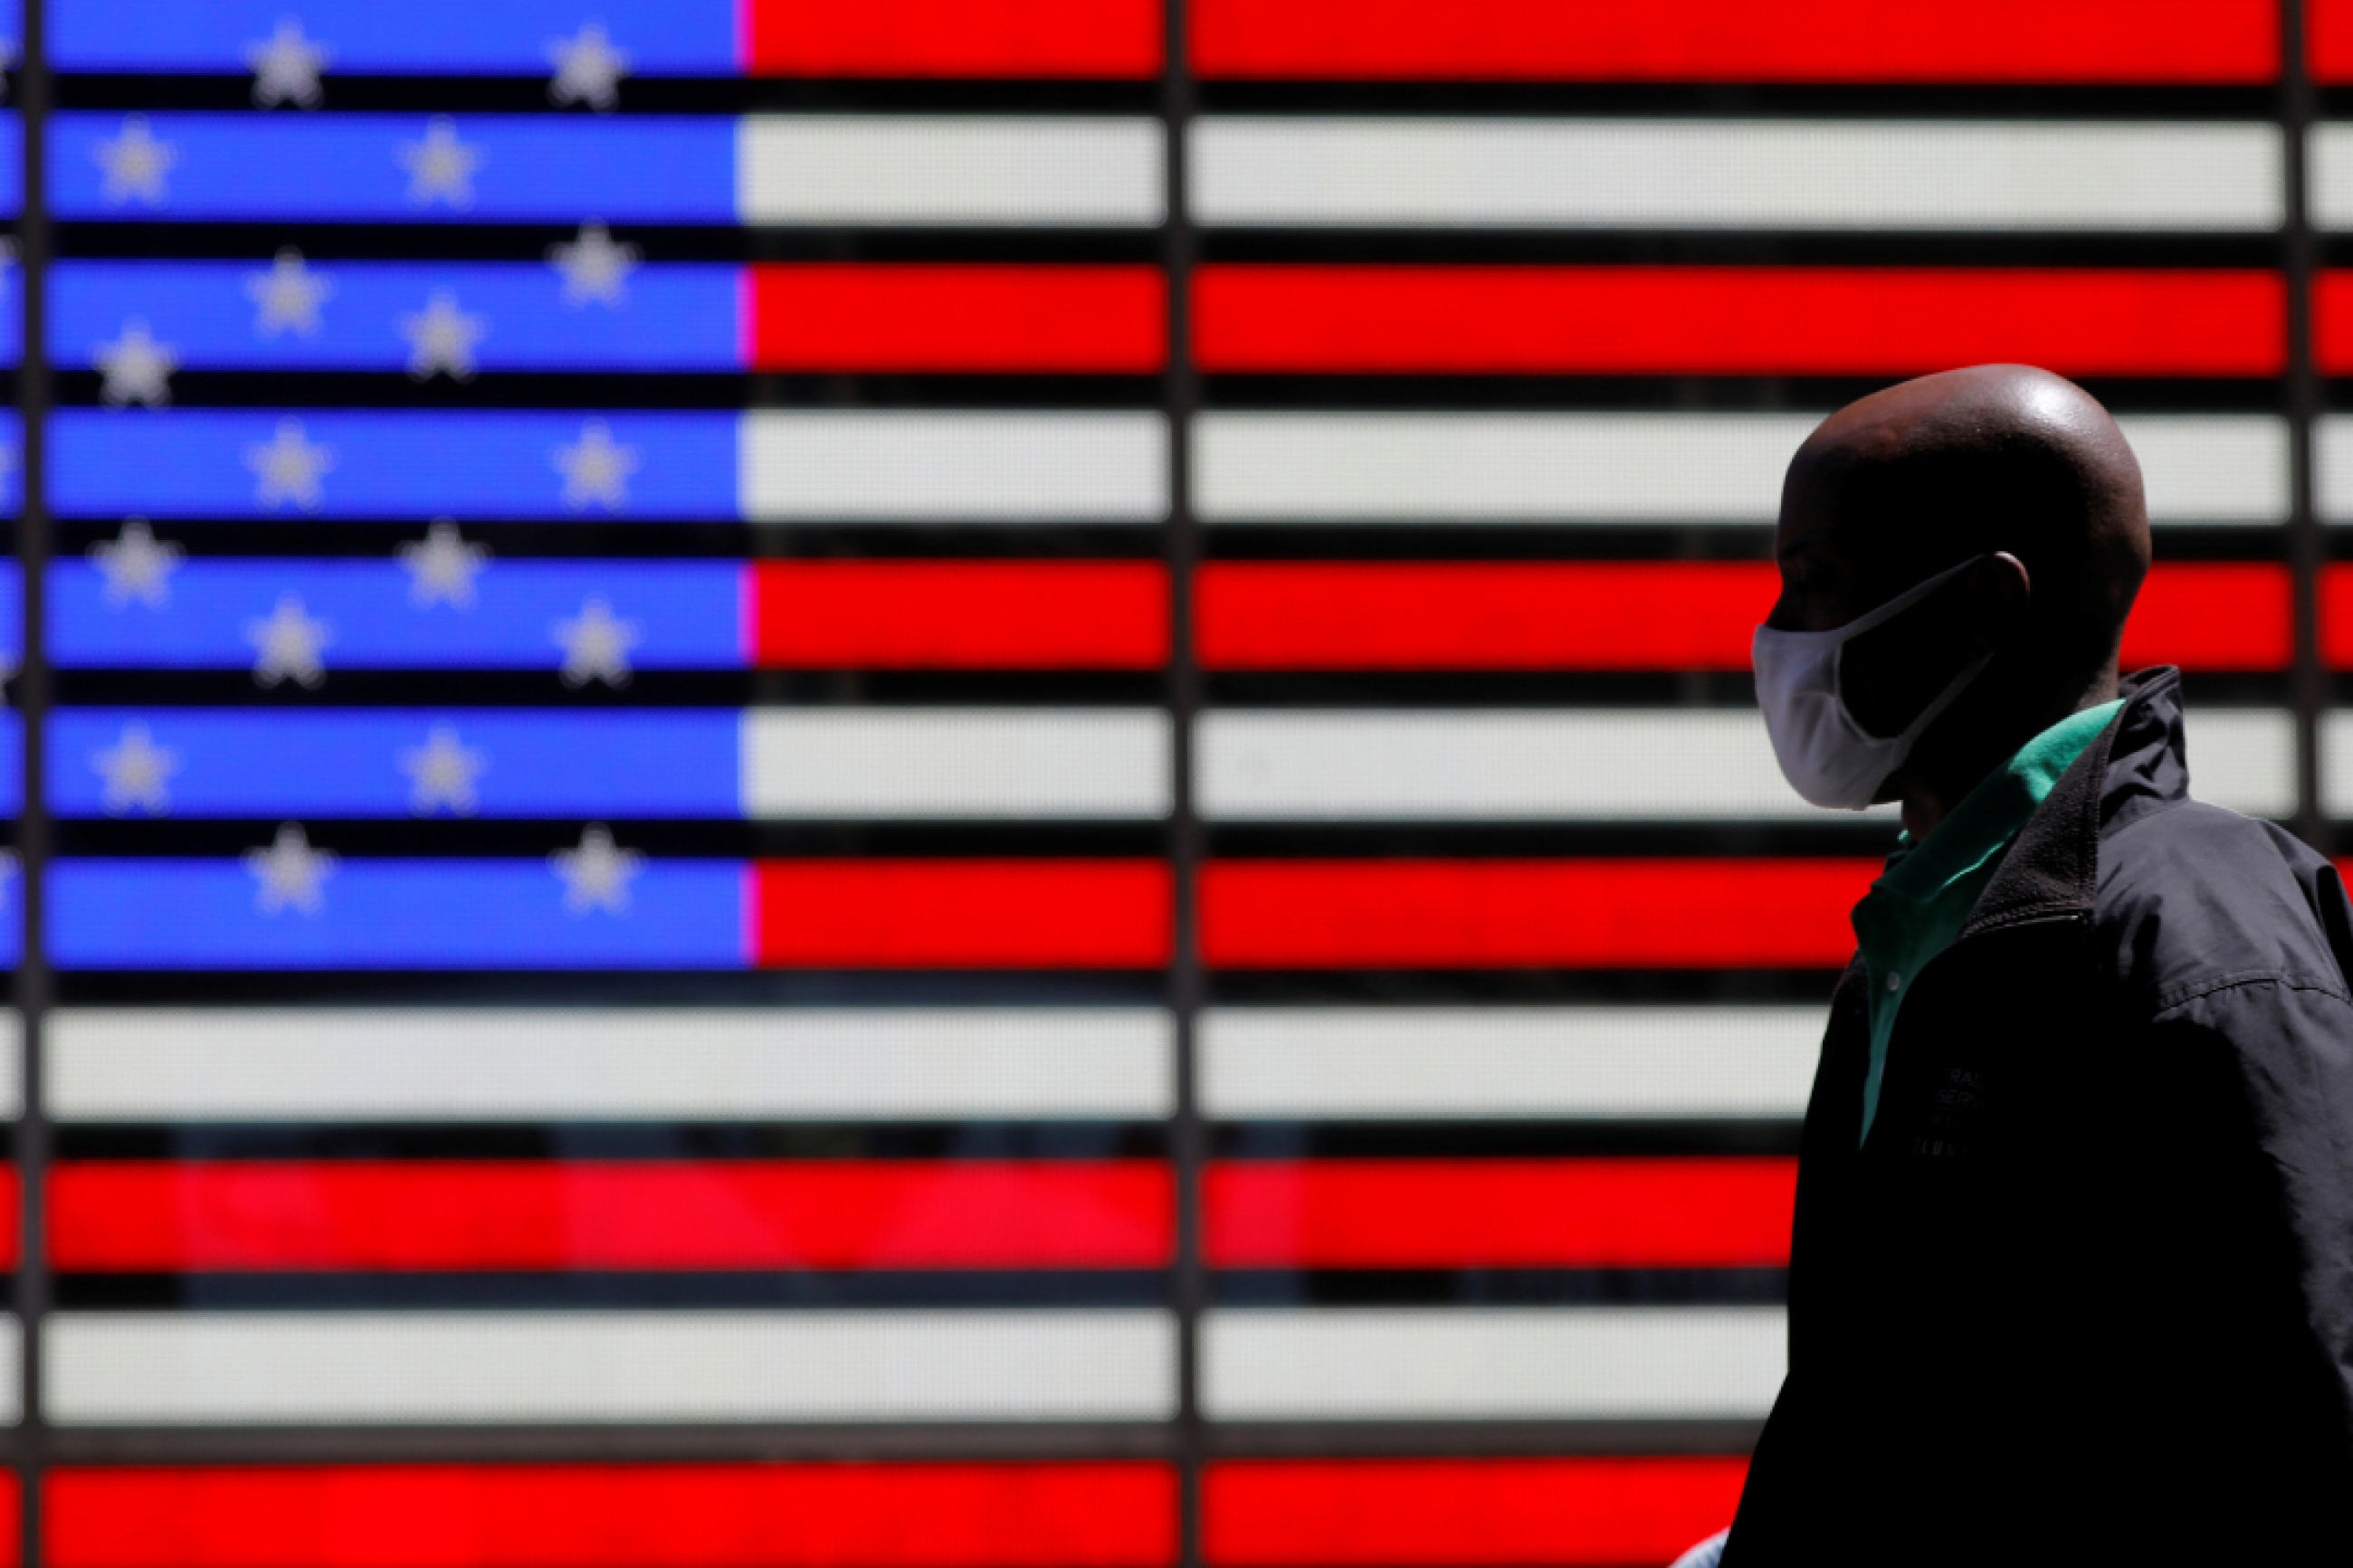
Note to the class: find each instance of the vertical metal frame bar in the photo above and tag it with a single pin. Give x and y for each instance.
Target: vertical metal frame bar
(1188, 1135)
(2305, 397)
(35, 986)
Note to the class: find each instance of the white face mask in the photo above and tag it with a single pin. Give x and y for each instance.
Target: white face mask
(1826, 756)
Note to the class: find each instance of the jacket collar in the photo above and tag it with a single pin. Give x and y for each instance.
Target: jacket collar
(2137, 764)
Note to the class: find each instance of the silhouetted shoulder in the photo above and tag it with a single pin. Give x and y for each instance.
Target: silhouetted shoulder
(2193, 895)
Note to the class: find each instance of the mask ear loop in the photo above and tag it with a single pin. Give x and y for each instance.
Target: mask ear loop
(1902, 742)
(1936, 705)
(1871, 620)
(1878, 615)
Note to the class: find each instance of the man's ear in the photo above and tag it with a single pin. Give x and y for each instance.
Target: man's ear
(2001, 590)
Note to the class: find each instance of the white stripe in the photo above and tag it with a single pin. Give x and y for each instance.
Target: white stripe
(1594, 766)
(12, 1064)
(12, 1392)
(954, 762)
(170, 1369)
(2243, 758)
(2330, 172)
(949, 170)
(1298, 171)
(1433, 467)
(686, 1064)
(1597, 1364)
(810, 465)
(1492, 467)
(2211, 467)
(2333, 467)
(2335, 763)
(1400, 765)
(1443, 1063)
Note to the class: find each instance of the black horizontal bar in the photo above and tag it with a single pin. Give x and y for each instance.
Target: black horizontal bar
(647, 688)
(624, 538)
(724, 392)
(1524, 1137)
(749, 988)
(473, 94)
(1035, 1441)
(667, 837)
(594, 1290)
(1276, 1288)
(603, 1141)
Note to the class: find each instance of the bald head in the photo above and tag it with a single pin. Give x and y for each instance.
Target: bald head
(1994, 459)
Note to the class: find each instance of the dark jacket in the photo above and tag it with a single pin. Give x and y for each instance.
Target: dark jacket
(2089, 1284)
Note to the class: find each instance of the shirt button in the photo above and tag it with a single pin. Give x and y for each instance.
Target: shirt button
(1895, 983)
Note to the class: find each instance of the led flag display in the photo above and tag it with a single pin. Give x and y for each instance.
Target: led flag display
(765, 718)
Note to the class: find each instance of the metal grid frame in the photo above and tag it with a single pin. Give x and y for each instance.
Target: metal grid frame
(1190, 1440)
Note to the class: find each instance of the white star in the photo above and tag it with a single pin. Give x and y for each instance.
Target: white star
(287, 467)
(137, 567)
(285, 67)
(10, 868)
(595, 646)
(441, 337)
(442, 567)
(290, 872)
(440, 165)
(589, 68)
(137, 368)
(287, 645)
(138, 772)
(593, 266)
(287, 295)
(442, 772)
(596, 470)
(596, 874)
(135, 165)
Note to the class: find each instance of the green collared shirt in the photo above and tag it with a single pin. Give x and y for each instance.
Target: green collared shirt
(1924, 898)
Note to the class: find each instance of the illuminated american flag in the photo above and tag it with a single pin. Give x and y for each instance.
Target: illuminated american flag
(910, 784)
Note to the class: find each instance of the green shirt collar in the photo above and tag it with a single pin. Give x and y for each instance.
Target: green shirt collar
(1922, 899)
(1989, 815)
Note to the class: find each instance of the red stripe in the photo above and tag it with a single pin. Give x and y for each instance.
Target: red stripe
(11, 1219)
(2332, 295)
(959, 615)
(1493, 914)
(1741, 40)
(610, 1516)
(1610, 615)
(1429, 1213)
(1463, 1513)
(2213, 616)
(1479, 615)
(2337, 616)
(1735, 320)
(949, 318)
(976, 914)
(952, 37)
(2328, 39)
(164, 1215)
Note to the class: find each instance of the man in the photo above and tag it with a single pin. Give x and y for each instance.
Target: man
(2072, 1275)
